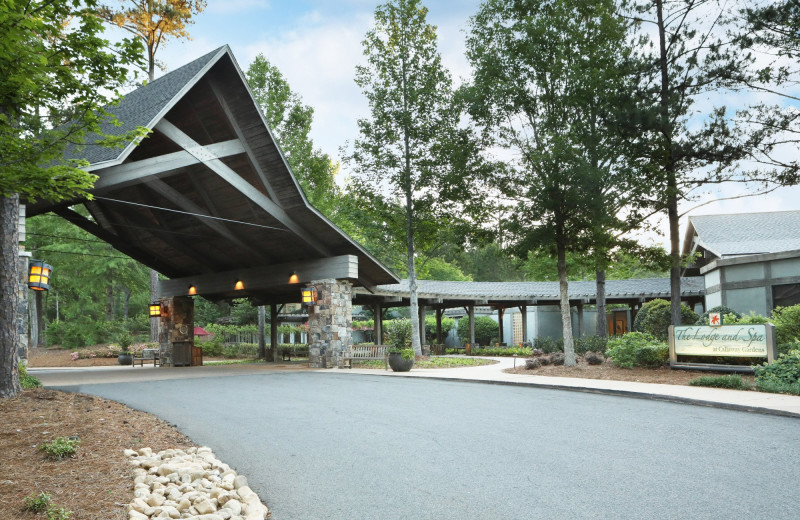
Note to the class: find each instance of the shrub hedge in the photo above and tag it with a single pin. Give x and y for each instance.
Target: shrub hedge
(654, 318)
(637, 349)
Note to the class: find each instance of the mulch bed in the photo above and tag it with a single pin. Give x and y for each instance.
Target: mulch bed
(96, 483)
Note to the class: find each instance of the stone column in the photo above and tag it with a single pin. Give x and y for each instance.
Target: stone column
(330, 322)
(176, 331)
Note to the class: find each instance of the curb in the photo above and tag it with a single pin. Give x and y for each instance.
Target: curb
(618, 393)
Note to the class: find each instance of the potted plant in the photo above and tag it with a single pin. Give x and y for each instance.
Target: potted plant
(125, 357)
(401, 355)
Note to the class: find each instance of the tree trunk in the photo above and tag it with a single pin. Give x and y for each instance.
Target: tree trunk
(262, 342)
(601, 323)
(9, 288)
(126, 302)
(39, 313)
(109, 303)
(153, 297)
(669, 169)
(566, 317)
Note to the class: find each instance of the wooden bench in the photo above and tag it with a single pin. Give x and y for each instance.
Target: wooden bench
(148, 354)
(366, 353)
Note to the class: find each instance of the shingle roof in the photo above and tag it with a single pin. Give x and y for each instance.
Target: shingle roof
(140, 108)
(646, 287)
(748, 233)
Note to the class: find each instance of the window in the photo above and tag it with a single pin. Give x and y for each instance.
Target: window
(785, 295)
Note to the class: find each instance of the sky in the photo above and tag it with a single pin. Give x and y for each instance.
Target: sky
(316, 44)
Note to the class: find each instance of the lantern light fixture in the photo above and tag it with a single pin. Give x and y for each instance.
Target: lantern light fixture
(155, 310)
(239, 285)
(309, 295)
(192, 290)
(293, 278)
(39, 275)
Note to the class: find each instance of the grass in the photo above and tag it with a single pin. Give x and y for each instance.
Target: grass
(776, 387)
(731, 381)
(434, 362)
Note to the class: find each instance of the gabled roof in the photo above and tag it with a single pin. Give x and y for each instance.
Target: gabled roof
(144, 107)
(208, 191)
(543, 291)
(744, 233)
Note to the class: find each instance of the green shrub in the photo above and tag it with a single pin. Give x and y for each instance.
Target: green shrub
(37, 503)
(637, 349)
(60, 447)
(213, 347)
(58, 513)
(501, 351)
(775, 387)
(654, 318)
(485, 330)
(784, 370)
(27, 381)
(787, 324)
(430, 326)
(723, 310)
(732, 381)
(549, 345)
(398, 333)
(592, 343)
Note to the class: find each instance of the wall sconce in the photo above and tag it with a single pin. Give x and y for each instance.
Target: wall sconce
(293, 278)
(155, 310)
(308, 296)
(39, 275)
(238, 286)
(192, 290)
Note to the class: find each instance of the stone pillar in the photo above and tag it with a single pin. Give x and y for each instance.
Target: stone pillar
(176, 331)
(330, 322)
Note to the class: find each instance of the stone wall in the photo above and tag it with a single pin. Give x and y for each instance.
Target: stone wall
(330, 322)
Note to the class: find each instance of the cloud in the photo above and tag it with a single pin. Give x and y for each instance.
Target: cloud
(237, 6)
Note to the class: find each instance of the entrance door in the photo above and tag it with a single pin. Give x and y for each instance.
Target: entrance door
(617, 323)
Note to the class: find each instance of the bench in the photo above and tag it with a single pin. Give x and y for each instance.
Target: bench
(148, 354)
(366, 353)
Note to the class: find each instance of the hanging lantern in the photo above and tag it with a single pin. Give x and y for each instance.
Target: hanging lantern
(155, 310)
(309, 295)
(238, 286)
(192, 290)
(293, 278)
(39, 275)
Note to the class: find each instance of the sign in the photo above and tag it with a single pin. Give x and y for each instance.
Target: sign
(722, 341)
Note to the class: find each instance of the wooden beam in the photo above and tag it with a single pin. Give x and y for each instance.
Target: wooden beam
(264, 278)
(471, 314)
(116, 242)
(236, 128)
(132, 172)
(171, 194)
(235, 180)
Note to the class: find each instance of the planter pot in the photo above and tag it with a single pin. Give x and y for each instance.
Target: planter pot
(399, 364)
(125, 359)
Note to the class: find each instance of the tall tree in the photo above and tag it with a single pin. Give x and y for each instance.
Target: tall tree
(549, 81)
(153, 22)
(408, 143)
(291, 121)
(57, 71)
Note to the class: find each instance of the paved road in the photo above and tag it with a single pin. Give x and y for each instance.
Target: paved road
(338, 446)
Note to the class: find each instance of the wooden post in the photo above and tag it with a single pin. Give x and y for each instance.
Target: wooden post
(439, 339)
(421, 324)
(262, 342)
(471, 314)
(524, 311)
(273, 330)
(377, 327)
(580, 319)
(500, 312)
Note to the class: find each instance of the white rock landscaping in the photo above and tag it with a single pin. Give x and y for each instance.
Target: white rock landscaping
(191, 484)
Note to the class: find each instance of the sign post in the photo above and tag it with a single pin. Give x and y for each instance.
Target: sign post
(735, 341)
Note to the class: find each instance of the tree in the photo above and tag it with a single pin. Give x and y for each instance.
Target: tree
(56, 73)
(153, 22)
(291, 120)
(549, 82)
(410, 145)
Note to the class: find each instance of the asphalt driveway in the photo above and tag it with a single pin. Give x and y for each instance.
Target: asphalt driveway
(324, 445)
